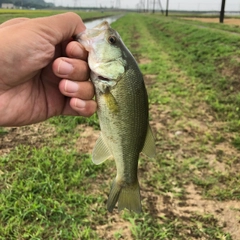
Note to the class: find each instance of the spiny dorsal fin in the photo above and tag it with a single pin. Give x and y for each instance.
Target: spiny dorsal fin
(101, 151)
(149, 147)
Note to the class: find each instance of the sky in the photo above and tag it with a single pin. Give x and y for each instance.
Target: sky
(196, 5)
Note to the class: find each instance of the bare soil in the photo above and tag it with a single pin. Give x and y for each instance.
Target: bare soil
(32, 135)
(86, 142)
(230, 21)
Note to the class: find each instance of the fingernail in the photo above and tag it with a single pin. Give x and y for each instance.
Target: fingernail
(80, 103)
(64, 68)
(71, 87)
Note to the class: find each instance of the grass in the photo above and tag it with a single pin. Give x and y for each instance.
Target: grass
(66, 124)
(52, 191)
(38, 204)
(3, 131)
(174, 228)
(216, 26)
(6, 14)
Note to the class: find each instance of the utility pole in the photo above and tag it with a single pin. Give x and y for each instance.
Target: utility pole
(167, 8)
(160, 5)
(222, 11)
(153, 6)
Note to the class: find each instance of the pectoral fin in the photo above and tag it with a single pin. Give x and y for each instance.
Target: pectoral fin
(149, 147)
(101, 151)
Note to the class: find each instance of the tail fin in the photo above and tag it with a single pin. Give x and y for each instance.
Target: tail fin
(126, 196)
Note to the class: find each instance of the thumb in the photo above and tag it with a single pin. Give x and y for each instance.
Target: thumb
(60, 27)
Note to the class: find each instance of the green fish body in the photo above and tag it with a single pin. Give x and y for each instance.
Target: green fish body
(122, 110)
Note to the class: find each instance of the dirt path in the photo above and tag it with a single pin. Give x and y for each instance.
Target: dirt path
(229, 21)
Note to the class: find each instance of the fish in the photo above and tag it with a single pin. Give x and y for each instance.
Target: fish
(123, 112)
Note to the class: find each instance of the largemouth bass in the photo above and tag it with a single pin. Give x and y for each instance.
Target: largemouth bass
(122, 110)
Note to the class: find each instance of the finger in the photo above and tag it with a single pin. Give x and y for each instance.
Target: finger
(82, 90)
(76, 50)
(69, 68)
(13, 21)
(60, 27)
(83, 108)
(76, 107)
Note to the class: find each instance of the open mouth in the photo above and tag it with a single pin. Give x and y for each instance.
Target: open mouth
(103, 78)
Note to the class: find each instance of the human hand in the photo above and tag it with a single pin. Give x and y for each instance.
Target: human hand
(42, 72)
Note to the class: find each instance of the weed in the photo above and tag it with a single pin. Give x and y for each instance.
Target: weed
(66, 124)
(44, 187)
(3, 131)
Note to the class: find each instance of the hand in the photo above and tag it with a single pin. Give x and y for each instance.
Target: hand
(42, 72)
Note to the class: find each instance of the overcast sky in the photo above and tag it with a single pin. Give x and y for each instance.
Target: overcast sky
(173, 4)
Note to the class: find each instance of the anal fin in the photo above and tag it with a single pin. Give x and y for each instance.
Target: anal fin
(149, 147)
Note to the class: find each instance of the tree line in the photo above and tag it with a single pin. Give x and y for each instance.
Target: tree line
(28, 3)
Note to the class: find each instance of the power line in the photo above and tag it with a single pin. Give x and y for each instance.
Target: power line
(159, 2)
(118, 4)
(160, 5)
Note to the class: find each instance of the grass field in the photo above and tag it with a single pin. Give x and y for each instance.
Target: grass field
(6, 14)
(50, 189)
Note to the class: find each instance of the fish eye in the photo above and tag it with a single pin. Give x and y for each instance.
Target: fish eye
(112, 39)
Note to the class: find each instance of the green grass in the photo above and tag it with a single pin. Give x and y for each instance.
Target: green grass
(6, 14)
(52, 191)
(3, 131)
(41, 194)
(216, 26)
(66, 124)
(197, 226)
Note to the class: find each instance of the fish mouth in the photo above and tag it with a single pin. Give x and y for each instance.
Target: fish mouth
(103, 78)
